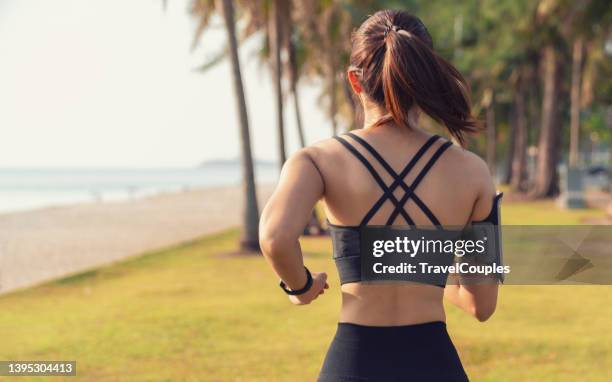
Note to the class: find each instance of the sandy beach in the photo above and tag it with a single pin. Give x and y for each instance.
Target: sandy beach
(48, 243)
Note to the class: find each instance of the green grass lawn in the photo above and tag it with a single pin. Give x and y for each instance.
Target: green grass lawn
(198, 313)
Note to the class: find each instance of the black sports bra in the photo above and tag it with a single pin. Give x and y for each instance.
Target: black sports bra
(346, 239)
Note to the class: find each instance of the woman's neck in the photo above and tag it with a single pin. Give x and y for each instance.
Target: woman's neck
(373, 113)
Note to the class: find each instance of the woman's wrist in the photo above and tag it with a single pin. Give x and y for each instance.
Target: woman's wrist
(305, 288)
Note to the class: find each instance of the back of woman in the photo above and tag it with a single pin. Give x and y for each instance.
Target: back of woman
(389, 173)
(449, 190)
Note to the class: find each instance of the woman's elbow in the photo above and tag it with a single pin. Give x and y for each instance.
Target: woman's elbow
(483, 315)
(482, 312)
(481, 301)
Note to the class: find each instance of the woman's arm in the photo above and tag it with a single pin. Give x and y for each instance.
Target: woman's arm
(477, 299)
(283, 220)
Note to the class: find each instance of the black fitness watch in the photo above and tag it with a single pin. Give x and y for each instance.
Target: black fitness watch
(305, 289)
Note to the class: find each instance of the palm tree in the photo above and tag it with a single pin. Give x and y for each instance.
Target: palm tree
(203, 9)
(546, 181)
(276, 44)
(250, 224)
(563, 21)
(275, 18)
(585, 16)
(267, 17)
(518, 164)
(325, 28)
(577, 58)
(488, 103)
(292, 67)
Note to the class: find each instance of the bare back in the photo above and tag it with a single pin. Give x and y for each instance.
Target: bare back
(453, 189)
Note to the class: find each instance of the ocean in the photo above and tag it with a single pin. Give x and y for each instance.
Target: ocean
(30, 188)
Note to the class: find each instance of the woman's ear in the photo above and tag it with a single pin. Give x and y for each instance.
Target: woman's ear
(353, 79)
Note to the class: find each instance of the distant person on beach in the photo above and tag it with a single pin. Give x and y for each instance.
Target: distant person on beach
(388, 173)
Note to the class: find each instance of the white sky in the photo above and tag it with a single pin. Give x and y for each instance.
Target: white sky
(88, 83)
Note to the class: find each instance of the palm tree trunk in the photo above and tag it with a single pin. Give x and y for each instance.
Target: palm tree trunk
(333, 102)
(546, 181)
(511, 147)
(577, 56)
(533, 127)
(490, 123)
(293, 78)
(250, 223)
(298, 116)
(275, 42)
(519, 157)
(348, 93)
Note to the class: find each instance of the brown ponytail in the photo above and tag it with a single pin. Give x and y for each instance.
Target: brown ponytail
(400, 69)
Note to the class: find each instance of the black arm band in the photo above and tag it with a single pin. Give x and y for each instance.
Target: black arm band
(305, 289)
(488, 229)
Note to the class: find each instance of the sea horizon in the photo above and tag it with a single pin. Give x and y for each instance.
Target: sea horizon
(28, 188)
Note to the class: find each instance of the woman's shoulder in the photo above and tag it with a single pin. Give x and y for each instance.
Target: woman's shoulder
(466, 162)
(317, 154)
(461, 166)
(324, 149)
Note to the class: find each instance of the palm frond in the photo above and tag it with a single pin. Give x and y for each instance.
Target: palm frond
(213, 59)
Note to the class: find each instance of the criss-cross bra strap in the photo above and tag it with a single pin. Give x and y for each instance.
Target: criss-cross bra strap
(398, 179)
(400, 207)
(387, 193)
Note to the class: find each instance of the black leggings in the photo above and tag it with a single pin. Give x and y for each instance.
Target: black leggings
(422, 352)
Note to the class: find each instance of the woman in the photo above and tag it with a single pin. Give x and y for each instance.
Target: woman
(390, 172)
